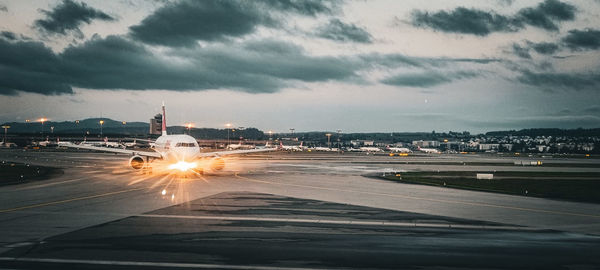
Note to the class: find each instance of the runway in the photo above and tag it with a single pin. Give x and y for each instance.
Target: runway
(97, 193)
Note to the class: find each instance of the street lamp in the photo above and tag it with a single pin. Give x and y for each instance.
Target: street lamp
(43, 119)
(189, 126)
(328, 139)
(270, 135)
(5, 131)
(339, 131)
(101, 124)
(228, 125)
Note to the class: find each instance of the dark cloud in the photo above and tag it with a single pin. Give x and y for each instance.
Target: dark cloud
(183, 23)
(30, 67)
(118, 63)
(522, 52)
(339, 31)
(68, 16)
(464, 20)
(305, 7)
(8, 35)
(426, 79)
(544, 47)
(545, 15)
(588, 39)
(577, 81)
(3, 8)
(401, 60)
(595, 109)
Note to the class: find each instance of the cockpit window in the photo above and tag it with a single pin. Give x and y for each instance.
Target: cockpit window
(185, 145)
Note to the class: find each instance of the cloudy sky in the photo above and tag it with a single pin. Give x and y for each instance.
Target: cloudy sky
(305, 64)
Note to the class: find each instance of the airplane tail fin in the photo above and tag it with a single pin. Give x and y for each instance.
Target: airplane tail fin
(164, 120)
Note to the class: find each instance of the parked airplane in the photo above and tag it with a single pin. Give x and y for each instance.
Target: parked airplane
(181, 151)
(324, 149)
(291, 147)
(429, 150)
(399, 150)
(240, 146)
(369, 149)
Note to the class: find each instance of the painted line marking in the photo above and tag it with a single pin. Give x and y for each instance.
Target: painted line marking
(427, 199)
(344, 222)
(69, 200)
(151, 264)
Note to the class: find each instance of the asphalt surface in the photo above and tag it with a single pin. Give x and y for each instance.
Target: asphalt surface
(284, 210)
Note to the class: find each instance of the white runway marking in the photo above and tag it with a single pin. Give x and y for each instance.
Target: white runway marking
(152, 264)
(345, 222)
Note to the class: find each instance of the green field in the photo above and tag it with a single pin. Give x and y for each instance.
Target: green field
(573, 186)
(15, 173)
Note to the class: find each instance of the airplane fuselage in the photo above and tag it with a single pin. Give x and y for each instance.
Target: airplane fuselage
(177, 147)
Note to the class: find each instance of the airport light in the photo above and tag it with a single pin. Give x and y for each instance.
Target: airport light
(5, 131)
(77, 122)
(52, 129)
(189, 126)
(27, 120)
(43, 119)
(328, 139)
(101, 124)
(270, 135)
(339, 131)
(228, 125)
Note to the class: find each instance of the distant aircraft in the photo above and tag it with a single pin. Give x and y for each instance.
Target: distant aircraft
(369, 149)
(399, 150)
(130, 144)
(291, 147)
(181, 151)
(239, 146)
(324, 149)
(429, 150)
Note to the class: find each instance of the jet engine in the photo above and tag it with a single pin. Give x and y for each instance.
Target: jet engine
(137, 162)
(217, 164)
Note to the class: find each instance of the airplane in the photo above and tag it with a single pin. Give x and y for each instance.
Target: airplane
(370, 149)
(179, 150)
(324, 149)
(239, 146)
(399, 150)
(429, 150)
(291, 147)
(104, 142)
(46, 143)
(130, 144)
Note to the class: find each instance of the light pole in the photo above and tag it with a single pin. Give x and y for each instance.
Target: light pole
(189, 126)
(5, 131)
(270, 135)
(339, 131)
(101, 124)
(228, 128)
(52, 129)
(328, 139)
(43, 119)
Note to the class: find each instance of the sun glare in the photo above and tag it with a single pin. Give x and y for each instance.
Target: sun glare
(183, 166)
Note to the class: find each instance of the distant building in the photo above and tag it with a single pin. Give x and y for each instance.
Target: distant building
(156, 124)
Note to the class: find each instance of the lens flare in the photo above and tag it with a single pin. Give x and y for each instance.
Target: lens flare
(183, 166)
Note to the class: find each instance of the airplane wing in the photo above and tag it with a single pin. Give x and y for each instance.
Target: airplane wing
(235, 152)
(114, 150)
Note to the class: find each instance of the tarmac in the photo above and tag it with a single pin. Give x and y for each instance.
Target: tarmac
(286, 211)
